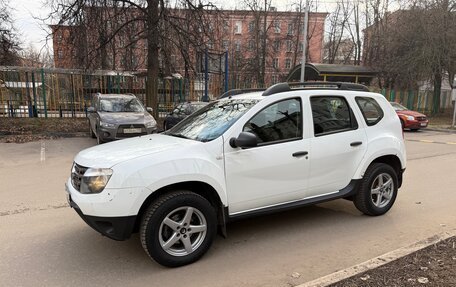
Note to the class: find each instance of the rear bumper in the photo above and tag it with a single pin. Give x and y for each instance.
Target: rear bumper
(117, 228)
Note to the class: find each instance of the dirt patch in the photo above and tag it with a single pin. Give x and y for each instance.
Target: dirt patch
(21, 130)
(434, 265)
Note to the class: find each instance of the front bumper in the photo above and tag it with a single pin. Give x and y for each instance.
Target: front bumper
(117, 228)
(111, 134)
(416, 124)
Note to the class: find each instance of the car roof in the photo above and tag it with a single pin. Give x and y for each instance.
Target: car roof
(113, 96)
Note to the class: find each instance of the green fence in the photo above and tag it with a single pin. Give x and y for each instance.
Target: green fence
(422, 100)
(28, 92)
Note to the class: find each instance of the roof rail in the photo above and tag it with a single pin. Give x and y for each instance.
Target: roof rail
(235, 92)
(284, 87)
(338, 85)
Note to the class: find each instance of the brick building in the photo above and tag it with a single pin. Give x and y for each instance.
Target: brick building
(251, 38)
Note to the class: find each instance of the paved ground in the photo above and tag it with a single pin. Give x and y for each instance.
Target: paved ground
(44, 243)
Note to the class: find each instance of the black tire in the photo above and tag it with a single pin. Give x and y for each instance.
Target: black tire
(414, 130)
(92, 134)
(154, 233)
(99, 140)
(366, 200)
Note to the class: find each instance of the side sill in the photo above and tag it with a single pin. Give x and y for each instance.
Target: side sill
(347, 191)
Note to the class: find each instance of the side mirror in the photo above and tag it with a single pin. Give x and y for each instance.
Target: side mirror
(90, 109)
(244, 140)
(149, 109)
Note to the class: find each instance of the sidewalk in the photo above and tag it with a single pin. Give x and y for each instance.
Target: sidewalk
(430, 261)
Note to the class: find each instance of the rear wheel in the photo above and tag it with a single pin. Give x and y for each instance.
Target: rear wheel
(378, 190)
(165, 126)
(178, 228)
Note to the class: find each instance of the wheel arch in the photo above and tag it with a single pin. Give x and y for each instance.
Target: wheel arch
(394, 162)
(201, 188)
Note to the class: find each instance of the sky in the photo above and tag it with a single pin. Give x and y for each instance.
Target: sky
(33, 31)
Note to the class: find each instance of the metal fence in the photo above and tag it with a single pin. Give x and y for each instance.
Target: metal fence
(31, 92)
(422, 100)
(28, 92)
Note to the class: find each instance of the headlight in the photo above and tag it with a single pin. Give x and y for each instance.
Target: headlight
(95, 180)
(150, 124)
(107, 125)
(410, 118)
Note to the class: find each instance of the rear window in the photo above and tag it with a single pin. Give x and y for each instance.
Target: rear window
(371, 110)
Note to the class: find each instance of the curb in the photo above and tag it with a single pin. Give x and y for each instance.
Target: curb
(377, 261)
(451, 131)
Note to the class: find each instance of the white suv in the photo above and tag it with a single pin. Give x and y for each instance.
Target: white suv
(242, 155)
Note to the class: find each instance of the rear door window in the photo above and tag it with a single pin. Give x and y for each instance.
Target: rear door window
(331, 114)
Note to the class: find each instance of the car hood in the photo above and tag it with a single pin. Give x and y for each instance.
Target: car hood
(125, 118)
(110, 154)
(410, 113)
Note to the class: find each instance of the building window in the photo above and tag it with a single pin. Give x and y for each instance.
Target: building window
(226, 25)
(300, 47)
(287, 63)
(251, 26)
(290, 29)
(237, 46)
(60, 54)
(251, 45)
(289, 45)
(276, 45)
(275, 79)
(238, 27)
(277, 26)
(59, 36)
(225, 44)
(275, 63)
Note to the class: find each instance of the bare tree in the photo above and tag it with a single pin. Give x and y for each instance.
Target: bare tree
(153, 23)
(9, 43)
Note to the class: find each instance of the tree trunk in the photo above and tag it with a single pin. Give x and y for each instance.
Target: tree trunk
(437, 89)
(152, 56)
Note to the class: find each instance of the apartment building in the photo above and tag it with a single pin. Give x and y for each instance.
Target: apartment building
(253, 39)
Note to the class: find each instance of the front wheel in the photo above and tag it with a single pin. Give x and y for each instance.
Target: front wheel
(378, 190)
(178, 228)
(92, 134)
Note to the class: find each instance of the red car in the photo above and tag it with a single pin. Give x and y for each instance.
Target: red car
(410, 119)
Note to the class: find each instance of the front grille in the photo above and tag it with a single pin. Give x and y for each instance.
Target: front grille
(76, 175)
(122, 134)
(420, 119)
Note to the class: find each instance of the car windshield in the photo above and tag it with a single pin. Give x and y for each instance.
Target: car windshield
(398, 107)
(213, 120)
(119, 105)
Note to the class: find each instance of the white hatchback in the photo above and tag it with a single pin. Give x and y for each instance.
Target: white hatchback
(240, 156)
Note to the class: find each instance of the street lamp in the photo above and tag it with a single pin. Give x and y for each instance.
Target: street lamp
(304, 42)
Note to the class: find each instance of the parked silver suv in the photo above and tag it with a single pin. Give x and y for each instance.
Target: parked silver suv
(116, 116)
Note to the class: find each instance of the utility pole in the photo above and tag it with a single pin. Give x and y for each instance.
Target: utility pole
(304, 42)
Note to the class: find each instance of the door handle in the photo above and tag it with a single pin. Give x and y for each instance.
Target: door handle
(300, 153)
(356, 143)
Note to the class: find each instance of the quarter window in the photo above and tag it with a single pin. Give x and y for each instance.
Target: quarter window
(278, 122)
(371, 110)
(331, 114)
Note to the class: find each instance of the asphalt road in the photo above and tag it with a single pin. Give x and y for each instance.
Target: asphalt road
(44, 243)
